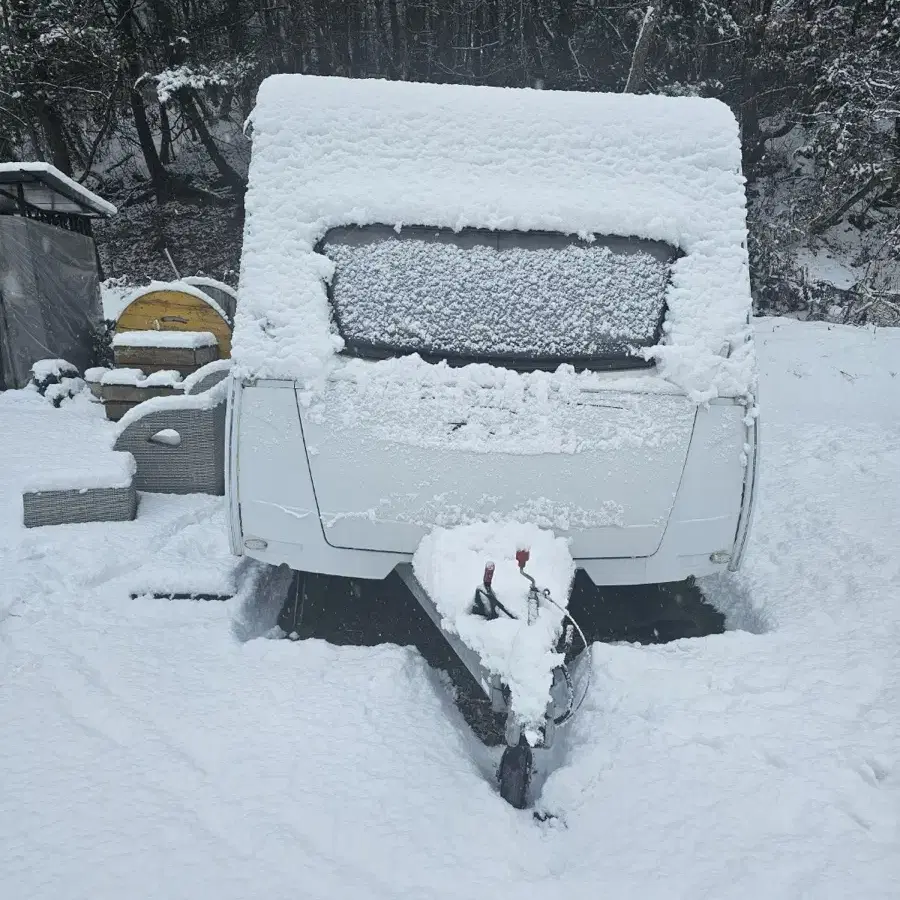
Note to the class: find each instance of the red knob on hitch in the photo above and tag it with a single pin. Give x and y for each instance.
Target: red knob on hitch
(488, 574)
(522, 557)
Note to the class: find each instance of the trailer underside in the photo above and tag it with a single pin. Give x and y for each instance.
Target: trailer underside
(396, 611)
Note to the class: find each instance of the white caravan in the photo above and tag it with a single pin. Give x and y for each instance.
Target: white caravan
(462, 304)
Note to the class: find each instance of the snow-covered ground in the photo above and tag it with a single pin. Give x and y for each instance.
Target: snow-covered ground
(152, 749)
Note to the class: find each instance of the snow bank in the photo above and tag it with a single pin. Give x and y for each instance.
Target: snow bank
(450, 563)
(177, 543)
(113, 469)
(188, 339)
(332, 152)
(731, 767)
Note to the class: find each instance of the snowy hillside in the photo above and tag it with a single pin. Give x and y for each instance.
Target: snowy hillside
(157, 749)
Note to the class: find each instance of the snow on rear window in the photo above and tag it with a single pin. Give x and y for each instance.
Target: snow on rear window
(479, 295)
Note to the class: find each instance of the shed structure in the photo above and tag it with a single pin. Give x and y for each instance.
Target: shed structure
(49, 273)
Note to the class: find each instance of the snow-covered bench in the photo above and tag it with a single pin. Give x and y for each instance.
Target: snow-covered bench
(101, 489)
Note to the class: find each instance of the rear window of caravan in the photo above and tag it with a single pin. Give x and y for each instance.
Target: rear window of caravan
(526, 300)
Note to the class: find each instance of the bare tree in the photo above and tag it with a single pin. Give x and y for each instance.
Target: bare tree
(641, 51)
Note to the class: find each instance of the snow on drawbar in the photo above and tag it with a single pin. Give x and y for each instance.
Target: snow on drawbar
(450, 562)
(331, 153)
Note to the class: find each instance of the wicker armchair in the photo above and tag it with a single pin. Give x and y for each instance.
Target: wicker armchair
(177, 442)
(207, 377)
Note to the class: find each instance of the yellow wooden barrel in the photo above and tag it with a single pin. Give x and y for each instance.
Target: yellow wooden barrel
(173, 309)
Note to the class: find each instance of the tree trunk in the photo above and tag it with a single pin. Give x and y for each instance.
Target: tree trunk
(75, 142)
(158, 175)
(55, 134)
(323, 34)
(824, 222)
(753, 142)
(104, 126)
(395, 65)
(165, 131)
(641, 51)
(229, 175)
(6, 148)
(127, 26)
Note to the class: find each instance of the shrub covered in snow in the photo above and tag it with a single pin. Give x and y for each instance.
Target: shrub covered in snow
(55, 379)
(101, 341)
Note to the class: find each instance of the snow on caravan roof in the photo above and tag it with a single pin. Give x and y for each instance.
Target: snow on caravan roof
(331, 152)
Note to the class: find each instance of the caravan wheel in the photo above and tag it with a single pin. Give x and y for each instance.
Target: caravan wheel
(514, 774)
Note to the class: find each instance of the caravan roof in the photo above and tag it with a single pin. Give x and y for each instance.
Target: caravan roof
(332, 152)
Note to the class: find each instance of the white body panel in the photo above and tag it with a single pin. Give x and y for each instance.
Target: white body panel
(449, 365)
(656, 490)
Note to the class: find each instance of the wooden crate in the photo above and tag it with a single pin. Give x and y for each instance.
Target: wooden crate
(119, 398)
(156, 359)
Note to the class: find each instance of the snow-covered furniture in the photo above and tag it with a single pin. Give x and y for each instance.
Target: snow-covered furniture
(207, 377)
(122, 389)
(103, 492)
(178, 442)
(155, 351)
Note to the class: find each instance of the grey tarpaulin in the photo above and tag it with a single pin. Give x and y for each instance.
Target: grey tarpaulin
(49, 297)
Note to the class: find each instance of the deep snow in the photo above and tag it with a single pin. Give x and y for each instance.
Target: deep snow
(150, 750)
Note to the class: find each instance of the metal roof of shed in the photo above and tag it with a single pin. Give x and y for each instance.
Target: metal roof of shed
(45, 188)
